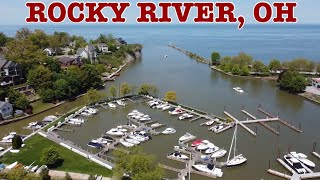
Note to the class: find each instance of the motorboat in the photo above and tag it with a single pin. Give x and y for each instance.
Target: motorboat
(217, 128)
(176, 111)
(204, 145)
(11, 166)
(179, 155)
(210, 169)
(111, 105)
(145, 119)
(1, 149)
(218, 154)
(160, 106)
(196, 143)
(295, 164)
(130, 125)
(125, 143)
(186, 137)
(50, 118)
(166, 107)
(143, 134)
(109, 138)
(211, 150)
(33, 123)
(132, 141)
(94, 144)
(74, 122)
(121, 129)
(8, 138)
(85, 113)
(153, 103)
(115, 132)
(238, 89)
(237, 160)
(155, 125)
(134, 112)
(121, 103)
(185, 116)
(77, 120)
(34, 169)
(169, 131)
(209, 123)
(303, 159)
(137, 137)
(102, 141)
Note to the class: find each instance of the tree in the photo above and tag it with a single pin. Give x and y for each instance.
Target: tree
(22, 102)
(47, 95)
(259, 67)
(3, 39)
(67, 177)
(113, 91)
(61, 89)
(52, 65)
(16, 142)
(31, 176)
(91, 177)
(215, 57)
(16, 174)
(138, 165)
(50, 156)
(90, 77)
(100, 68)
(293, 82)
(23, 33)
(44, 174)
(244, 71)
(236, 70)
(39, 38)
(171, 96)
(94, 96)
(274, 65)
(125, 89)
(40, 78)
(148, 89)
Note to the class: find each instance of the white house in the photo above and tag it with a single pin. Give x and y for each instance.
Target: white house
(316, 82)
(103, 47)
(6, 109)
(49, 51)
(89, 52)
(81, 52)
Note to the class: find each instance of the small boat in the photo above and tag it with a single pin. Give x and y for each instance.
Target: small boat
(210, 169)
(111, 105)
(155, 125)
(134, 112)
(238, 89)
(217, 128)
(166, 107)
(237, 160)
(77, 120)
(178, 155)
(186, 137)
(11, 166)
(196, 143)
(85, 113)
(132, 141)
(211, 150)
(74, 122)
(218, 154)
(204, 145)
(103, 141)
(109, 138)
(94, 144)
(33, 123)
(1, 148)
(176, 111)
(295, 164)
(160, 106)
(115, 132)
(303, 159)
(169, 131)
(125, 143)
(137, 137)
(209, 123)
(145, 119)
(34, 169)
(121, 103)
(185, 116)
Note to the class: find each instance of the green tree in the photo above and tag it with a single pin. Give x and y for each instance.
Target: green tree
(101, 68)
(40, 77)
(274, 65)
(113, 91)
(94, 96)
(125, 89)
(3, 39)
(171, 96)
(47, 95)
(44, 174)
(244, 71)
(61, 89)
(50, 156)
(148, 89)
(90, 77)
(16, 142)
(137, 164)
(259, 67)
(52, 65)
(22, 102)
(39, 38)
(215, 57)
(31, 176)
(16, 174)
(23, 33)
(67, 177)
(293, 82)
(236, 70)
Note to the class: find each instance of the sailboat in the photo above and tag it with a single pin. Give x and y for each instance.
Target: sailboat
(236, 160)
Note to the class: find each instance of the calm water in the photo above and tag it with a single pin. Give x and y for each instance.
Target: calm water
(200, 87)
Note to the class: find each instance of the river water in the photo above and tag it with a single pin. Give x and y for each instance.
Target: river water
(200, 87)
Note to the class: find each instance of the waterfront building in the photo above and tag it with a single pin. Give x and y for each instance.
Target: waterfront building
(10, 72)
(6, 109)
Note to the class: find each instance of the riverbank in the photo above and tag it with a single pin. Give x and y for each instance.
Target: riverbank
(311, 97)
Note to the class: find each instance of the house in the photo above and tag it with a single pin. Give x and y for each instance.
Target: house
(6, 109)
(120, 42)
(103, 47)
(10, 72)
(68, 61)
(89, 52)
(316, 82)
(50, 51)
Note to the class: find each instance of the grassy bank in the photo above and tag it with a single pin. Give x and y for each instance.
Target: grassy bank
(39, 106)
(72, 162)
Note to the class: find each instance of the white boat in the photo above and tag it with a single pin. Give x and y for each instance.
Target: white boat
(34, 168)
(303, 158)
(145, 119)
(204, 145)
(166, 107)
(211, 150)
(33, 123)
(134, 112)
(155, 125)
(1, 148)
(176, 111)
(236, 160)
(238, 89)
(160, 106)
(186, 137)
(209, 123)
(169, 131)
(210, 169)
(218, 154)
(11, 166)
(85, 113)
(295, 164)
(121, 103)
(77, 120)
(102, 141)
(111, 105)
(74, 122)
(125, 143)
(178, 155)
(115, 132)
(217, 128)
(185, 116)
(132, 141)
(137, 137)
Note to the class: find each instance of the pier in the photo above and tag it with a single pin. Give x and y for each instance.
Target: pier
(240, 123)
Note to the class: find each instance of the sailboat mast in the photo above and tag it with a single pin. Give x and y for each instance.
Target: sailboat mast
(235, 141)
(231, 144)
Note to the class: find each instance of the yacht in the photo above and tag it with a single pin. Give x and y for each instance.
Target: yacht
(178, 155)
(295, 164)
(111, 105)
(169, 131)
(160, 106)
(95, 144)
(132, 141)
(210, 169)
(186, 137)
(204, 145)
(185, 116)
(166, 107)
(125, 143)
(209, 123)
(217, 128)
(134, 112)
(85, 113)
(137, 137)
(77, 120)
(196, 143)
(155, 125)
(237, 160)
(176, 111)
(102, 140)
(115, 132)
(218, 154)
(74, 122)
(303, 159)
(238, 89)
(121, 103)
(211, 150)
(145, 119)
(8, 139)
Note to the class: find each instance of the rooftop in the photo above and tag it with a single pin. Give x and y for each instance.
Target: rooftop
(316, 80)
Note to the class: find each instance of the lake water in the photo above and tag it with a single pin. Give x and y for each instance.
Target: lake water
(198, 86)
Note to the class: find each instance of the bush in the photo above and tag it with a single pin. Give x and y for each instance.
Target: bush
(16, 142)
(67, 177)
(50, 156)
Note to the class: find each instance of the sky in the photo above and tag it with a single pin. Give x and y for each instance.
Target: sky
(14, 12)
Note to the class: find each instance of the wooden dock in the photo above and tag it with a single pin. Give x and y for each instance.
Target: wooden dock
(279, 174)
(64, 129)
(195, 119)
(316, 154)
(240, 123)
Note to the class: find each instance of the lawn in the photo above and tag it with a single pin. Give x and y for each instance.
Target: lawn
(39, 106)
(72, 162)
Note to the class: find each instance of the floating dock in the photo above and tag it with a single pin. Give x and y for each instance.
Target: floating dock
(240, 123)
